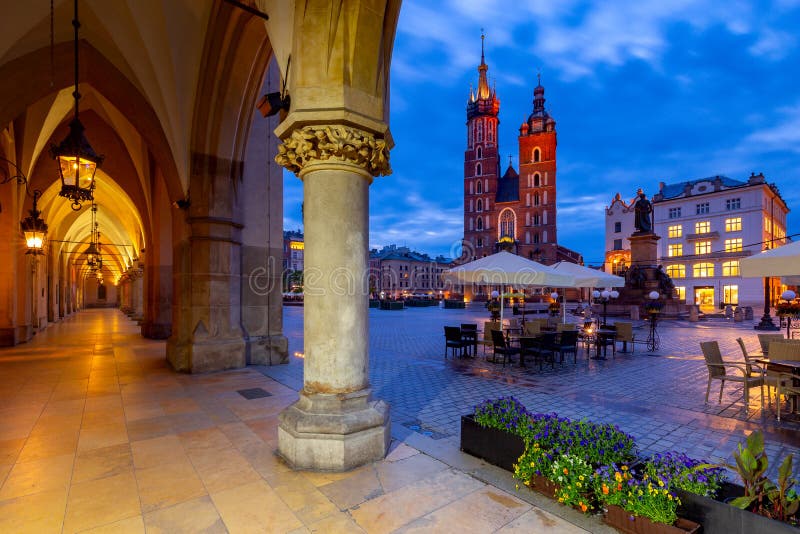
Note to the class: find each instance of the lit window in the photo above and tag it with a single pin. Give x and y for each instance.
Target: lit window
(617, 227)
(507, 221)
(730, 294)
(702, 227)
(702, 247)
(675, 249)
(733, 245)
(730, 268)
(733, 204)
(681, 292)
(733, 225)
(676, 271)
(674, 213)
(702, 208)
(675, 230)
(703, 270)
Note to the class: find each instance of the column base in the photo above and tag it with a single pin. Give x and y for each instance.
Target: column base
(152, 330)
(8, 336)
(214, 354)
(766, 324)
(334, 432)
(267, 350)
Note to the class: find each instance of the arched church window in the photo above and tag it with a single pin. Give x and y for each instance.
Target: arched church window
(537, 155)
(537, 180)
(480, 132)
(478, 170)
(478, 187)
(536, 219)
(479, 205)
(480, 153)
(479, 224)
(536, 238)
(507, 223)
(536, 199)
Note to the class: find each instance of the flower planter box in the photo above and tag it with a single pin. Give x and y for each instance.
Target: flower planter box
(718, 517)
(497, 447)
(631, 524)
(545, 486)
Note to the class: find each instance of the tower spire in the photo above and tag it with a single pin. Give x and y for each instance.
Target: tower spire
(483, 83)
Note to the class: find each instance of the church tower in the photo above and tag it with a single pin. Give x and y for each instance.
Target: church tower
(537, 177)
(481, 166)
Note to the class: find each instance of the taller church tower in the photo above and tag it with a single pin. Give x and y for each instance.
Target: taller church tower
(481, 165)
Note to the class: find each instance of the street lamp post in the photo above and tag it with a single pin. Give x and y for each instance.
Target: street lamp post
(604, 297)
(766, 320)
(653, 308)
(788, 296)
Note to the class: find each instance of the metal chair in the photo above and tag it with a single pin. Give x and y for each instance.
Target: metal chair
(567, 342)
(501, 347)
(453, 341)
(469, 335)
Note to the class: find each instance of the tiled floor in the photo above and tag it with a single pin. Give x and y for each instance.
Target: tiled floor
(97, 434)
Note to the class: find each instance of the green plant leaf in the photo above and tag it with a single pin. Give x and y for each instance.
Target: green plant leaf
(785, 470)
(743, 502)
(755, 442)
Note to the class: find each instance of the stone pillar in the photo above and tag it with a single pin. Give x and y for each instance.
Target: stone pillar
(158, 268)
(335, 425)
(137, 311)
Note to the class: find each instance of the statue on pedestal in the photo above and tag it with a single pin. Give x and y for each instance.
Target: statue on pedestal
(643, 223)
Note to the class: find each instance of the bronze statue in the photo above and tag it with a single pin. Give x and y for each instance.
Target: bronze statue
(643, 223)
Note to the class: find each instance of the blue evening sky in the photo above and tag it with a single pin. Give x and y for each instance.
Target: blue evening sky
(642, 91)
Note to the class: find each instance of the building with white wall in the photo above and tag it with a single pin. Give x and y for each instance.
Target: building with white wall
(619, 226)
(707, 226)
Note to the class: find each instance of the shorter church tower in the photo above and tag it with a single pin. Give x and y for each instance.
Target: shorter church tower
(481, 166)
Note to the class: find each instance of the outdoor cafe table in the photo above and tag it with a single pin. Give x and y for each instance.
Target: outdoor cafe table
(601, 335)
(785, 366)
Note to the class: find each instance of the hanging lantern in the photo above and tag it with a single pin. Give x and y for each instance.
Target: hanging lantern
(34, 228)
(77, 160)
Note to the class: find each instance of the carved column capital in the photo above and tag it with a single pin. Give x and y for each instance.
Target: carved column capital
(334, 144)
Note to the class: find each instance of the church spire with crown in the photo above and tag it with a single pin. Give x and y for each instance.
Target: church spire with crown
(483, 82)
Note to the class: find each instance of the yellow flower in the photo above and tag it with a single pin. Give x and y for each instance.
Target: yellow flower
(578, 484)
(660, 482)
(669, 496)
(624, 468)
(617, 476)
(581, 477)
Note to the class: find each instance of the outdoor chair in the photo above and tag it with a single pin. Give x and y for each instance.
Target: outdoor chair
(786, 387)
(453, 341)
(607, 340)
(787, 349)
(486, 340)
(530, 346)
(717, 370)
(770, 377)
(625, 335)
(566, 343)
(531, 329)
(501, 348)
(765, 339)
(469, 334)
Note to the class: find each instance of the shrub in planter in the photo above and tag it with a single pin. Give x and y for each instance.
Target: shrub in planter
(681, 472)
(574, 479)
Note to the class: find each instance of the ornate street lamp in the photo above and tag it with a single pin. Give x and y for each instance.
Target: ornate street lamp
(653, 308)
(77, 160)
(604, 297)
(34, 228)
(788, 309)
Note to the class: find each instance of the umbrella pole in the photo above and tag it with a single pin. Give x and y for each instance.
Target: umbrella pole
(502, 290)
(564, 305)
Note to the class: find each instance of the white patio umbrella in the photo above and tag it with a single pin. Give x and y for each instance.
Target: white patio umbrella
(781, 261)
(506, 269)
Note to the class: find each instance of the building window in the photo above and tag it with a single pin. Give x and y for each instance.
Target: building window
(480, 131)
(479, 205)
(537, 155)
(733, 245)
(702, 227)
(676, 271)
(730, 294)
(480, 241)
(675, 231)
(703, 207)
(536, 219)
(478, 187)
(730, 268)
(507, 222)
(480, 153)
(618, 244)
(479, 224)
(536, 199)
(675, 249)
(674, 213)
(702, 247)
(617, 227)
(681, 292)
(733, 204)
(537, 180)
(733, 224)
(478, 170)
(703, 270)
(536, 238)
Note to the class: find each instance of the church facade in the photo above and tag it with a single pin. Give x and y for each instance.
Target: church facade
(516, 210)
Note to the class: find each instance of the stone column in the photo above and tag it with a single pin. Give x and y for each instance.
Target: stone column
(137, 313)
(335, 425)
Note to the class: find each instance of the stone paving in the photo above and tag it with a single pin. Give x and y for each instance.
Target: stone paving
(659, 397)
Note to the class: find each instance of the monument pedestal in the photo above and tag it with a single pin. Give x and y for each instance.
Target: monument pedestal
(644, 249)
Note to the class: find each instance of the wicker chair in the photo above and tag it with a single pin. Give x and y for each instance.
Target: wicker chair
(786, 387)
(765, 339)
(531, 329)
(717, 370)
(625, 335)
(770, 378)
(486, 340)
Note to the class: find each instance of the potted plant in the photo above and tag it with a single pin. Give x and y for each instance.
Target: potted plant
(759, 505)
(789, 309)
(492, 431)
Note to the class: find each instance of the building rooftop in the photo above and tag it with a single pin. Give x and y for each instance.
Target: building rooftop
(393, 252)
(508, 186)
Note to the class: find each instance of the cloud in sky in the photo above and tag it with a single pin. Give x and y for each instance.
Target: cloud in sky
(642, 92)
